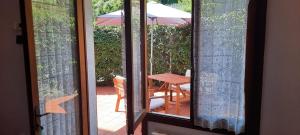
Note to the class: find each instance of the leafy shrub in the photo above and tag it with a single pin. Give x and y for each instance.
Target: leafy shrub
(168, 41)
(108, 56)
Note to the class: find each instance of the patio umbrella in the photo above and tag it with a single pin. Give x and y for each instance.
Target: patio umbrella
(157, 14)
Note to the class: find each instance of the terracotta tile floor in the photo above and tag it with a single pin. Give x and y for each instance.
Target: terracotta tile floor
(114, 123)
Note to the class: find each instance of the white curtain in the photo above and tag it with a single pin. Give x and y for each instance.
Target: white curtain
(219, 61)
(57, 64)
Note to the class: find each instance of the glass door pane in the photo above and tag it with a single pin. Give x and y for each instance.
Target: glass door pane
(136, 58)
(57, 65)
(135, 62)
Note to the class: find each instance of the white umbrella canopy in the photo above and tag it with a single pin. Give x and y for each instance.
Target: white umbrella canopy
(164, 15)
(157, 14)
(110, 19)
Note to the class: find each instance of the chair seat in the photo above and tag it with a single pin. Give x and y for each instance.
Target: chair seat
(156, 103)
(185, 87)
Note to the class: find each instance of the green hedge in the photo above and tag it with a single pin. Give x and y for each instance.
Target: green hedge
(167, 40)
(108, 56)
(174, 42)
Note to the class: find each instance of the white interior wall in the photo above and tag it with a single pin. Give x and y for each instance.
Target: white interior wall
(14, 118)
(281, 82)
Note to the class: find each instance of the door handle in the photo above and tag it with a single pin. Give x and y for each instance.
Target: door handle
(37, 116)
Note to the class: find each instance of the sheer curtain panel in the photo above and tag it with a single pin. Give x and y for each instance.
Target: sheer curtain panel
(219, 64)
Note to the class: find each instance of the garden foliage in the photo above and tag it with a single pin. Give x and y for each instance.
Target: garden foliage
(168, 42)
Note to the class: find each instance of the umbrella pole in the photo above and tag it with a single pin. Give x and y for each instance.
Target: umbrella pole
(170, 66)
(151, 51)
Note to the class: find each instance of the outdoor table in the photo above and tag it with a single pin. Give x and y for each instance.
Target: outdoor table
(170, 79)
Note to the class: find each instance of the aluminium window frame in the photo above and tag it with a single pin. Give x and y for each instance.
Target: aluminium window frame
(255, 44)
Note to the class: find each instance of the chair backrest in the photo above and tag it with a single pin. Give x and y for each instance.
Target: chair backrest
(120, 85)
(188, 73)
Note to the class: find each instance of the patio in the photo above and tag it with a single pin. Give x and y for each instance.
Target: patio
(174, 25)
(114, 123)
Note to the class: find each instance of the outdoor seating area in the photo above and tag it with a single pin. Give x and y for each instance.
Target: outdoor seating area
(168, 60)
(172, 83)
(167, 98)
(159, 97)
(111, 121)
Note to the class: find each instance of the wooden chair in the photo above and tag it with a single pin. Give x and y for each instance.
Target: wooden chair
(120, 86)
(153, 102)
(186, 88)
